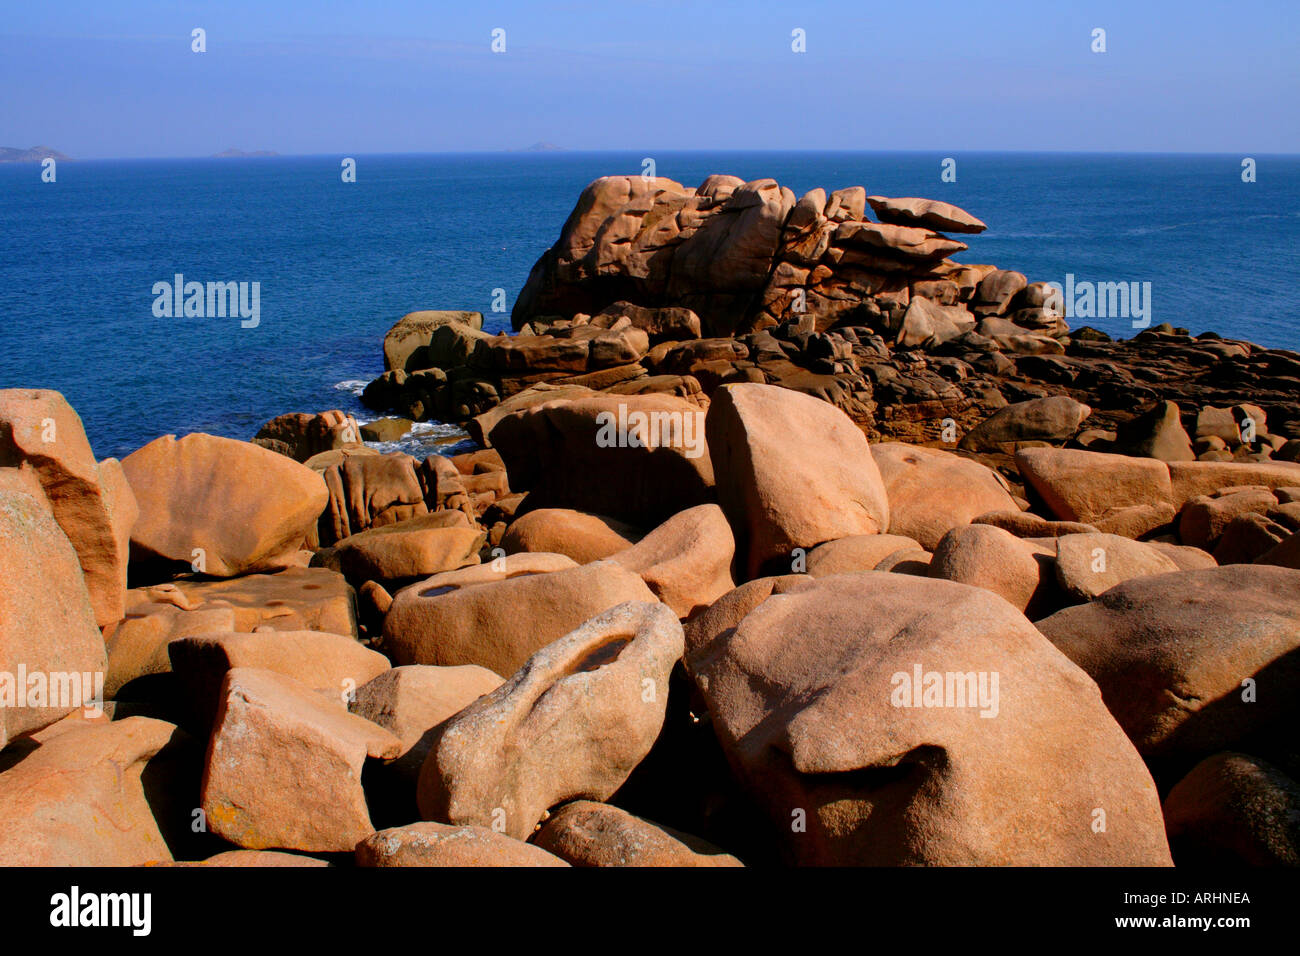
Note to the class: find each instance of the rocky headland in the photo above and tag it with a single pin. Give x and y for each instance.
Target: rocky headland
(16, 154)
(788, 539)
(653, 288)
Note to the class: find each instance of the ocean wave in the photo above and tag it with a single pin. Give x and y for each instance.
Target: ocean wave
(1166, 227)
(1032, 235)
(1206, 222)
(353, 385)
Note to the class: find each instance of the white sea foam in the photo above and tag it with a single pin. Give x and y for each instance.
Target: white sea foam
(354, 385)
(429, 438)
(424, 438)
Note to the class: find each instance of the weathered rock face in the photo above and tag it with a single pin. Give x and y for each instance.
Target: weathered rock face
(668, 324)
(93, 504)
(983, 556)
(1185, 557)
(259, 858)
(1095, 488)
(407, 342)
(859, 552)
(370, 491)
(780, 494)
(78, 800)
(1233, 809)
(284, 766)
(1191, 478)
(927, 213)
(301, 436)
(333, 664)
(596, 834)
(907, 562)
(414, 548)
(813, 701)
(47, 623)
(563, 351)
(410, 701)
(482, 426)
(997, 290)
(637, 458)
(927, 324)
(1203, 519)
(573, 722)
(1026, 524)
(582, 537)
(500, 624)
(907, 241)
(932, 491)
(296, 599)
(645, 240)
(1248, 537)
(138, 647)
(437, 844)
(686, 561)
(703, 630)
(731, 255)
(1157, 433)
(1056, 417)
(1088, 565)
(1170, 653)
(222, 506)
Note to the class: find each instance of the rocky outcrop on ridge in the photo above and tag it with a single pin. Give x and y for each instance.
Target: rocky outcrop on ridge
(656, 288)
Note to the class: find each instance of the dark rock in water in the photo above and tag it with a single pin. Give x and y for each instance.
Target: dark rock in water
(386, 429)
(413, 332)
(301, 436)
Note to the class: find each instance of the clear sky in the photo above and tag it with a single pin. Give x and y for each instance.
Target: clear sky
(117, 78)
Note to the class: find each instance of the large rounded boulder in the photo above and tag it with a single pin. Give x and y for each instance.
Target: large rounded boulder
(636, 458)
(225, 507)
(50, 649)
(1191, 662)
(887, 719)
(932, 491)
(496, 620)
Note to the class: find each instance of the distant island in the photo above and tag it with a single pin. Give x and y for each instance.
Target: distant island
(12, 154)
(241, 154)
(541, 148)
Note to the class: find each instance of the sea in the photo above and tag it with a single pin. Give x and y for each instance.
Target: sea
(338, 262)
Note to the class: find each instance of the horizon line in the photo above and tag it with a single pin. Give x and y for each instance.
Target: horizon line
(528, 151)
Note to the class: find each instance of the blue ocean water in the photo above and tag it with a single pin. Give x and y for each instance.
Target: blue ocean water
(338, 263)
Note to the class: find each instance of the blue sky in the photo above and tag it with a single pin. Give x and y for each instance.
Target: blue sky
(118, 79)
